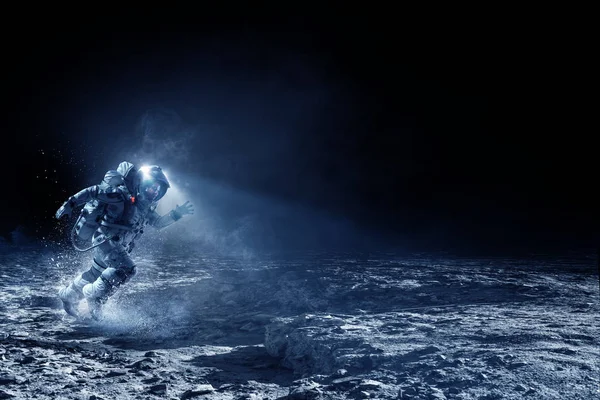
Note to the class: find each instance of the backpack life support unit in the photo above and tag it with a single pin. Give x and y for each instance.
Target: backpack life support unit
(93, 211)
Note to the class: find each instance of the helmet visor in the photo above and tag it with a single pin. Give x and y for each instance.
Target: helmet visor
(152, 190)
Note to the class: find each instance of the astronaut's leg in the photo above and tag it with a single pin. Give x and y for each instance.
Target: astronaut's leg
(72, 294)
(119, 269)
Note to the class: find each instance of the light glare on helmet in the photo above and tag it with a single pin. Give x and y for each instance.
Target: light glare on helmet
(145, 172)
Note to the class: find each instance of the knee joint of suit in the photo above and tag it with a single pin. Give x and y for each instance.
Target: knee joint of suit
(117, 276)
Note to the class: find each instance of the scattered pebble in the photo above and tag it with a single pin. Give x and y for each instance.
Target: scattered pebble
(436, 394)
(369, 384)
(7, 379)
(197, 391)
(27, 360)
(143, 364)
(521, 388)
(115, 372)
(517, 364)
(6, 395)
(340, 373)
(160, 389)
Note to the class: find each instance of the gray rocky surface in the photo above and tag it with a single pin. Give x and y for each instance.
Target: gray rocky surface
(319, 326)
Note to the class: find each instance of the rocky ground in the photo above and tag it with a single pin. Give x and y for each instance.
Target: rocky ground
(310, 326)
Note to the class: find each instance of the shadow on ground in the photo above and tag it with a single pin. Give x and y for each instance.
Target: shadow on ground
(244, 363)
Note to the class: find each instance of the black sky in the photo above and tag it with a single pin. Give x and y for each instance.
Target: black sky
(472, 129)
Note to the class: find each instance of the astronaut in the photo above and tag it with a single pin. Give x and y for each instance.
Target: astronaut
(117, 212)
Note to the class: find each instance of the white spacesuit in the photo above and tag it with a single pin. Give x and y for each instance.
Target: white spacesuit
(115, 214)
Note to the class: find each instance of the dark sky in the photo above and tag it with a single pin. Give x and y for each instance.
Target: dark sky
(402, 126)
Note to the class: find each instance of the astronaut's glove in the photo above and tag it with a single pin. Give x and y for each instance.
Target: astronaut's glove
(65, 209)
(180, 211)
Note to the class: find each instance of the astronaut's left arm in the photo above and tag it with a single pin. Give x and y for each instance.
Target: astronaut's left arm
(160, 222)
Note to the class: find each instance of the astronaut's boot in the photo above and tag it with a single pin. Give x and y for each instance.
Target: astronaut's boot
(96, 294)
(71, 295)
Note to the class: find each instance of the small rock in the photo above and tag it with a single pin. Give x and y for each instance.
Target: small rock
(454, 390)
(340, 372)
(346, 383)
(27, 360)
(430, 350)
(482, 376)
(151, 354)
(517, 364)
(367, 384)
(306, 392)
(204, 389)
(436, 375)
(21, 379)
(565, 350)
(143, 374)
(225, 386)
(402, 376)
(6, 395)
(151, 380)
(94, 397)
(436, 394)
(363, 395)
(441, 357)
(197, 391)
(408, 390)
(7, 379)
(250, 396)
(158, 389)
(520, 388)
(142, 364)
(496, 360)
(115, 372)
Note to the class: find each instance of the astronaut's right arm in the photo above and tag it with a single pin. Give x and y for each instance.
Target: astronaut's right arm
(95, 192)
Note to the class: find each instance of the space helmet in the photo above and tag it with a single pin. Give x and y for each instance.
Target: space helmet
(152, 183)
